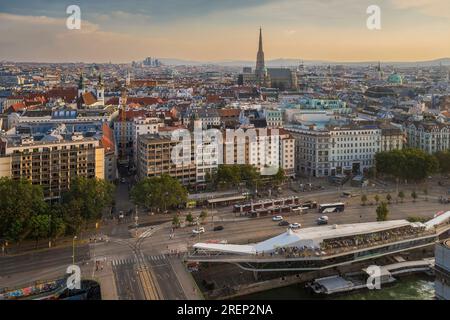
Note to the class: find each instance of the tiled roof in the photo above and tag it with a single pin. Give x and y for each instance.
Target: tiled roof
(88, 98)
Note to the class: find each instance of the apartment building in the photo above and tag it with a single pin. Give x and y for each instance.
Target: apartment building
(429, 136)
(392, 137)
(274, 118)
(340, 149)
(51, 161)
(158, 155)
(311, 151)
(143, 125)
(263, 148)
(137, 123)
(353, 148)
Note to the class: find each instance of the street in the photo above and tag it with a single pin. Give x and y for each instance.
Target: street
(144, 264)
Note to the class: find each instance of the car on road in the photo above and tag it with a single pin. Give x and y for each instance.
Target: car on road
(218, 228)
(295, 225)
(322, 220)
(283, 223)
(198, 231)
(123, 180)
(121, 215)
(277, 218)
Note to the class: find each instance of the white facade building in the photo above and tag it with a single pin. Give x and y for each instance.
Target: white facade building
(428, 136)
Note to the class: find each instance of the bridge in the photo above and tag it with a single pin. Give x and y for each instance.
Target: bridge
(324, 247)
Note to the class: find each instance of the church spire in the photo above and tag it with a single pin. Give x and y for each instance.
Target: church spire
(260, 48)
(81, 81)
(260, 71)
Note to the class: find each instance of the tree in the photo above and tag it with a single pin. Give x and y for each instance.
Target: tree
(382, 212)
(203, 215)
(363, 199)
(414, 196)
(406, 164)
(234, 175)
(279, 177)
(176, 221)
(189, 218)
(401, 195)
(389, 198)
(20, 201)
(159, 192)
(40, 227)
(443, 158)
(377, 198)
(88, 197)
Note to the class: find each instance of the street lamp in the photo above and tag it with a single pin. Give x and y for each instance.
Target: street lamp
(73, 249)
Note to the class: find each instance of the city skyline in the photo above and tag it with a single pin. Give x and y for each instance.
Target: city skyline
(212, 31)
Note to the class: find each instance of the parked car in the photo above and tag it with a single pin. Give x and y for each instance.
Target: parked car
(283, 223)
(277, 218)
(322, 220)
(295, 225)
(198, 231)
(218, 228)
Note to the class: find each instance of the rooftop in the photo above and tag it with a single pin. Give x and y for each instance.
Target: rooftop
(334, 238)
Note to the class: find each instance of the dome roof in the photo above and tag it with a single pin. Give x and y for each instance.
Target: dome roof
(395, 79)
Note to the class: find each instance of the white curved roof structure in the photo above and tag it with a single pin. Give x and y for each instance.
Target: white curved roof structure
(307, 237)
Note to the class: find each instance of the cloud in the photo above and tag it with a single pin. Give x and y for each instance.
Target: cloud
(434, 8)
(30, 38)
(157, 9)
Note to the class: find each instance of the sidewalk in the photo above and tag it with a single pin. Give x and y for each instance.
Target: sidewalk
(190, 288)
(107, 282)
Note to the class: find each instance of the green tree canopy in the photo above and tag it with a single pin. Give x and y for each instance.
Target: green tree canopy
(443, 158)
(233, 175)
(40, 226)
(159, 192)
(382, 212)
(363, 199)
(410, 164)
(401, 195)
(279, 177)
(87, 198)
(189, 218)
(20, 201)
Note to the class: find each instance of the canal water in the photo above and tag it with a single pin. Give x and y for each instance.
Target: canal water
(407, 288)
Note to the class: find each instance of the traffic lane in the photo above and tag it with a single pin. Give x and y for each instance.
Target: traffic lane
(255, 228)
(122, 200)
(43, 259)
(112, 248)
(127, 281)
(167, 279)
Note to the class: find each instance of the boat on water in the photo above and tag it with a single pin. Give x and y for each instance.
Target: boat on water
(342, 284)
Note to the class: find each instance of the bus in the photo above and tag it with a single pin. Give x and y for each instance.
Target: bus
(331, 207)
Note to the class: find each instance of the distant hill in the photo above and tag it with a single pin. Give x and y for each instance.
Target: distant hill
(295, 62)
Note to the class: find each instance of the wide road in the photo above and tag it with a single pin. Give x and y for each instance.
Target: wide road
(142, 269)
(40, 260)
(255, 229)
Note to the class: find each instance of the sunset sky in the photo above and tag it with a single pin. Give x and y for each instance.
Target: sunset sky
(215, 30)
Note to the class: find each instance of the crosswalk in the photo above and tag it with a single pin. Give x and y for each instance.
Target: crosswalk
(156, 258)
(131, 260)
